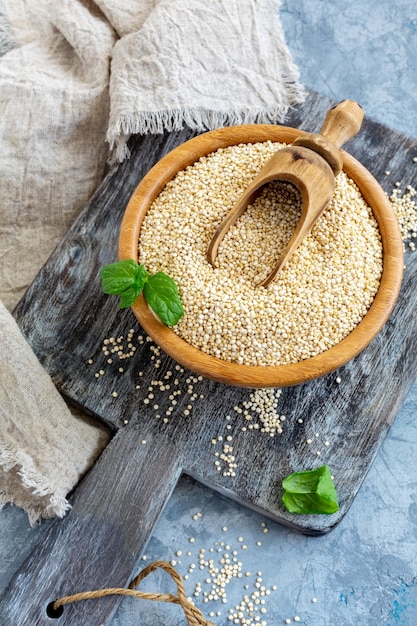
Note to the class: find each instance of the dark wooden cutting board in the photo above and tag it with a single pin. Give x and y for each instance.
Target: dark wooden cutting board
(66, 319)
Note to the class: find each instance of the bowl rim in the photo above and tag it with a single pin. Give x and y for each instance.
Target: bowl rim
(251, 375)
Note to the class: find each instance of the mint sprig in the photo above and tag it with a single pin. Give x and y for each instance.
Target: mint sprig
(312, 491)
(127, 279)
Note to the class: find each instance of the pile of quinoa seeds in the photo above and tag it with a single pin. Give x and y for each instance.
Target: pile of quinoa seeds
(316, 301)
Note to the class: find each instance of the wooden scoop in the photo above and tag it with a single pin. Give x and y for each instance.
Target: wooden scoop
(311, 164)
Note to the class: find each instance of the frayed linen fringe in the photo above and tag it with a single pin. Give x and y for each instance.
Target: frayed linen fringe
(154, 122)
(58, 508)
(33, 487)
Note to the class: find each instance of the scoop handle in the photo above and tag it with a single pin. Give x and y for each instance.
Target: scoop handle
(342, 122)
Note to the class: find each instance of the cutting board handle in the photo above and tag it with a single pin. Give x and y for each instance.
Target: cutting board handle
(107, 534)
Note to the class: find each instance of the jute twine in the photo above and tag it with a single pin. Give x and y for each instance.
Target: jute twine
(192, 613)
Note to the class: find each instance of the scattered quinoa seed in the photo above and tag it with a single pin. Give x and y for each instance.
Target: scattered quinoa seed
(405, 208)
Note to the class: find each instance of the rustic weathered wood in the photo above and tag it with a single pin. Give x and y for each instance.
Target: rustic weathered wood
(310, 163)
(65, 318)
(265, 376)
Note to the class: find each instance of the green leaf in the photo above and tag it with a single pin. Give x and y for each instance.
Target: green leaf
(125, 279)
(312, 491)
(161, 293)
(118, 277)
(127, 298)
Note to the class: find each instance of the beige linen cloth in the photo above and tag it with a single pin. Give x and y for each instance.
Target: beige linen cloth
(77, 78)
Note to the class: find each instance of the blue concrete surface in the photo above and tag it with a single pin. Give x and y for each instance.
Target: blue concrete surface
(359, 49)
(363, 573)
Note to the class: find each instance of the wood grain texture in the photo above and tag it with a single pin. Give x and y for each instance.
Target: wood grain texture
(65, 317)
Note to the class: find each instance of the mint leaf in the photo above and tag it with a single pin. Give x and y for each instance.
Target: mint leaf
(312, 491)
(161, 293)
(127, 299)
(125, 279)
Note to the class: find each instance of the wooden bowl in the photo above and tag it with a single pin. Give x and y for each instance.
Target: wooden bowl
(263, 376)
